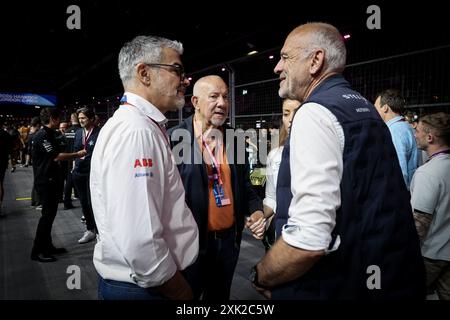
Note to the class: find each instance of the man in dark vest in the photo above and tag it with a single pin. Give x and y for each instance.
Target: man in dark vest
(343, 213)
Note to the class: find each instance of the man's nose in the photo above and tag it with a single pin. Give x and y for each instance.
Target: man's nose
(222, 102)
(279, 67)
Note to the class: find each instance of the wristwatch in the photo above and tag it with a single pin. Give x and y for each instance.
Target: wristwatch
(254, 277)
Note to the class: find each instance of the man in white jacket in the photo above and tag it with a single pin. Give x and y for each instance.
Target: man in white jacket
(147, 234)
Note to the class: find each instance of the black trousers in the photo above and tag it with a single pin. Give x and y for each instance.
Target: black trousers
(34, 197)
(48, 195)
(211, 275)
(68, 189)
(81, 183)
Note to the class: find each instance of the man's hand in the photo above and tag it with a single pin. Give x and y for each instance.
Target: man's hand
(69, 156)
(176, 288)
(257, 224)
(257, 286)
(262, 291)
(81, 153)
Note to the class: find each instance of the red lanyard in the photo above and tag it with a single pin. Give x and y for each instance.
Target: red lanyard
(215, 163)
(86, 137)
(163, 130)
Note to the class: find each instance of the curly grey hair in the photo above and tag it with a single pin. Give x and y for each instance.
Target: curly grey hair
(147, 49)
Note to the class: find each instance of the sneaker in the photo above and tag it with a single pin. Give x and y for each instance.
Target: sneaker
(13, 169)
(39, 207)
(83, 219)
(87, 237)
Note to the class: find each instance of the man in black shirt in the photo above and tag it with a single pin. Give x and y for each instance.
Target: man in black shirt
(70, 139)
(63, 165)
(71, 130)
(46, 155)
(35, 126)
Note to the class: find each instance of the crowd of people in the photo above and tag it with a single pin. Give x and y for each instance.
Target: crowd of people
(348, 189)
(51, 146)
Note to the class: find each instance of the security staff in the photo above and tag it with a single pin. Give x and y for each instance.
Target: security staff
(46, 155)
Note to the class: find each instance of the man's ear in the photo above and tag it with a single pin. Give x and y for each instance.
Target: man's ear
(317, 61)
(143, 74)
(194, 101)
(430, 137)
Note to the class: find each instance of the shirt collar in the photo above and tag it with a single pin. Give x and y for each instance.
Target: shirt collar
(198, 128)
(145, 106)
(394, 120)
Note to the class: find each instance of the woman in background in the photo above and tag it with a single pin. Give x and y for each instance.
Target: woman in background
(273, 164)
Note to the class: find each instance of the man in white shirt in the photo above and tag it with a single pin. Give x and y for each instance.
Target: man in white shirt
(430, 199)
(147, 234)
(342, 205)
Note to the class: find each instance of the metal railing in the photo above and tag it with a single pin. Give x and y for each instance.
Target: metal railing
(423, 77)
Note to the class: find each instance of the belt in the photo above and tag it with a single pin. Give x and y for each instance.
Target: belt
(221, 234)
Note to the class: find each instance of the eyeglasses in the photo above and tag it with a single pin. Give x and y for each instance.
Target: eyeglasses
(177, 68)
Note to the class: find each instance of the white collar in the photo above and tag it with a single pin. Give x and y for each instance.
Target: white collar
(145, 106)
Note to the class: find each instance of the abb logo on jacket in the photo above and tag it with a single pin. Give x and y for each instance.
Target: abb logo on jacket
(143, 163)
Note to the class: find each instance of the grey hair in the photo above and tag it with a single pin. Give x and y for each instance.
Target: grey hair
(328, 38)
(146, 49)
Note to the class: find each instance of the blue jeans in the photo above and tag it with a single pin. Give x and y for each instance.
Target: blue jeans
(117, 290)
